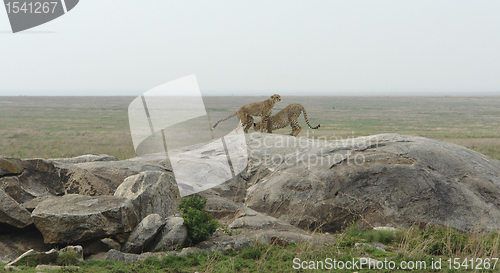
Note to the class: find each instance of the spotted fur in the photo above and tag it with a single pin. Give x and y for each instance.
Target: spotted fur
(262, 109)
(285, 117)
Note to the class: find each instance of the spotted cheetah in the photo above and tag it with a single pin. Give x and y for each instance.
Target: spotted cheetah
(285, 117)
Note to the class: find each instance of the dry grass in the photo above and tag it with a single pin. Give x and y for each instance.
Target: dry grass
(51, 127)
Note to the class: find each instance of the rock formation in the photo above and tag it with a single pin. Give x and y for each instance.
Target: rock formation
(291, 186)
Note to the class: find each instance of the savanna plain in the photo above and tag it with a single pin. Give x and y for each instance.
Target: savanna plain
(54, 127)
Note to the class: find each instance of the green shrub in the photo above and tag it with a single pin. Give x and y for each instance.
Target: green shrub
(198, 222)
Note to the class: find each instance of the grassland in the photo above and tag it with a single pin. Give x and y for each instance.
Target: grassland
(50, 127)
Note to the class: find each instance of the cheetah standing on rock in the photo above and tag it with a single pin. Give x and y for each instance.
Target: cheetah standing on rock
(262, 109)
(285, 117)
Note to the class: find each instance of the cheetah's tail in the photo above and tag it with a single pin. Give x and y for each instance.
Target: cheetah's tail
(307, 121)
(224, 119)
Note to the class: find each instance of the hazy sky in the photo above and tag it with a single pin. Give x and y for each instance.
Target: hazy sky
(126, 47)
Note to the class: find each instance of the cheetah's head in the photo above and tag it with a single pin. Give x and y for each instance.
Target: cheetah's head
(276, 97)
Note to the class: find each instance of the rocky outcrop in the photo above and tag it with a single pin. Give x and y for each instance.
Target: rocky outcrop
(143, 233)
(74, 218)
(291, 186)
(26, 183)
(151, 192)
(382, 179)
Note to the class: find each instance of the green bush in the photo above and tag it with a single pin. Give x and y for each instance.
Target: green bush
(198, 222)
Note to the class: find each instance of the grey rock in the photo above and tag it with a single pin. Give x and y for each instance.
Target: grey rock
(253, 220)
(83, 182)
(39, 178)
(55, 267)
(122, 257)
(112, 244)
(143, 233)
(114, 172)
(379, 246)
(100, 246)
(190, 250)
(32, 204)
(10, 166)
(86, 158)
(74, 218)
(222, 209)
(11, 186)
(386, 179)
(282, 238)
(171, 237)
(12, 213)
(234, 189)
(151, 192)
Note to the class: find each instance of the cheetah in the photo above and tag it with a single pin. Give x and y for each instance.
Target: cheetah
(285, 117)
(262, 109)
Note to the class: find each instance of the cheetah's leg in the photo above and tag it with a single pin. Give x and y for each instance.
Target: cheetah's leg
(248, 124)
(243, 120)
(267, 122)
(295, 128)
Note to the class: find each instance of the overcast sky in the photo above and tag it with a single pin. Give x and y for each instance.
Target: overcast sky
(126, 47)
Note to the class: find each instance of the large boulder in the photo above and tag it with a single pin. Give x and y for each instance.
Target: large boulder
(12, 213)
(83, 182)
(382, 179)
(143, 233)
(74, 218)
(151, 192)
(114, 172)
(10, 166)
(101, 175)
(171, 237)
(39, 178)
